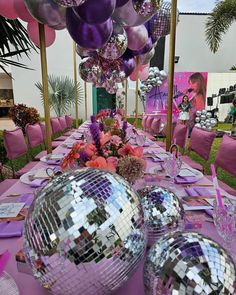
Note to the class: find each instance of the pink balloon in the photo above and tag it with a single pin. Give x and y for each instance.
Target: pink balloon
(133, 75)
(22, 11)
(144, 73)
(137, 37)
(33, 32)
(7, 9)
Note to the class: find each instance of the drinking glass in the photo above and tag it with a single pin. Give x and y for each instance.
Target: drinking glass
(172, 166)
(140, 139)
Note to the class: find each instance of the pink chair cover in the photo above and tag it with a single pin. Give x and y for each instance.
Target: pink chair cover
(144, 119)
(155, 126)
(69, 121)
(55, 124)
(149, 122)
(34, 134)
(226, 156)
(62, 121)
(180, 135)
(201, 141)
(42, 125)
(14, 143)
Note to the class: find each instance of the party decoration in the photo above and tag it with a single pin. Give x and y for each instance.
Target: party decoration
(203, 120)
(127, 16)
(86, 35)
(84, 52)
(22, 11)
(188, 263)
(147, 47)
(143, 74)
(137, 37)
(127, 65)
(7, 9)
(69, 3)
(146, 7)
(85, 233)
(145, 58)
(33, 32)
(92, 13)
(47, 12)
(89, 70)
(163, 211)
(116, 45)
(120, 3)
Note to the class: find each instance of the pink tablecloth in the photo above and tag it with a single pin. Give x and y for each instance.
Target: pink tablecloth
(134, 286)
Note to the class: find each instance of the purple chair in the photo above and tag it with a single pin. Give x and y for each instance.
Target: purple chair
(54, 143)
(144, 120)
(155, 126)
(15, 146)
(62, 121)
(226, 160)
(149, 123)
(35, 138)
(57, 129)
(201, 141)
(69, 121)
(180, 135)
(163, 133)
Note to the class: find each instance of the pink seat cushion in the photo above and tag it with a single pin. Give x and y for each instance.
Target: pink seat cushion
(14, 143)
(26, 168)
(144, 119)
(40, 155)
(56, 126)
(55, 144)
(155, 126)
(224, 186)
(6, 184)
(34, 134)
(149, 122)
(69, 121)
(226, 156)
(192, 163)
(201, 141)
(62, 121)
(180, 135)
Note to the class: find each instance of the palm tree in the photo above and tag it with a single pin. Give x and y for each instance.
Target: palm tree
(14, 41)
(219, 21)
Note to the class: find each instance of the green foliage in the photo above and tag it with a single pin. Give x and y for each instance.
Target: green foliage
(233, 68)
(61, 93)
(14, 40)
(3, 153)
(219, 21)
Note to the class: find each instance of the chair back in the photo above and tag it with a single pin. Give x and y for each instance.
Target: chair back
(156, 126)
(149, 122)
(43, 129)
(144, 120)
(56, 126)
(180, 134)
(164, 131)
(226, 155)
(34, 134)
(14, 143)
(62, 121)
(201, 141)
(69, 121)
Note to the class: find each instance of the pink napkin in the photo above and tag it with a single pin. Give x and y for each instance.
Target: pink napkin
(11, 229)
(185, 179)
(38, 183)
(4, 257)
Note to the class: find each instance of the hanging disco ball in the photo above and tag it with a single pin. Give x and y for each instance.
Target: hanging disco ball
(85, 233)
(188, 264)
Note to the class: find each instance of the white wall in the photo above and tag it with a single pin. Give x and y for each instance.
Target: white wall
(194, 53)
(60, 62)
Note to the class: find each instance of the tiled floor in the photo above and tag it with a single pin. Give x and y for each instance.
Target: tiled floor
(6, 124)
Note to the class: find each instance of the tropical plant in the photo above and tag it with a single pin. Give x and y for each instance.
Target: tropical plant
(61, 93)
(14, 41)
(22, 115)
(219, 21)
(233, 68)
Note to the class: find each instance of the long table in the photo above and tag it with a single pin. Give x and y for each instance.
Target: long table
(134, 286)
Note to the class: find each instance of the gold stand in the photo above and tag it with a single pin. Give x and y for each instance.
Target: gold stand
(171, 73)
(75, 88)
(126, 98)
(85, 100)
(43, 56)
(136, 101)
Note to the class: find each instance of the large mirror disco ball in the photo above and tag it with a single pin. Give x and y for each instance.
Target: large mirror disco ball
(163, 211)
(188, 264)
(85, 233)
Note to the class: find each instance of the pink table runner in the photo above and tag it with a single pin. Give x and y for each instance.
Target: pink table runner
(134, 286)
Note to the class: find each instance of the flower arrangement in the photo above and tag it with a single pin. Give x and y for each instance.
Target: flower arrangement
(109, 152)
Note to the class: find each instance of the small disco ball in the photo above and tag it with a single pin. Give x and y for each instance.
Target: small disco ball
(213, 122)
(85, 233)
(208, 115)
(203, 117)
(198, 113)
(163, 211)
(198, 125)
(197, 119)
(204, 112)
(189, 264)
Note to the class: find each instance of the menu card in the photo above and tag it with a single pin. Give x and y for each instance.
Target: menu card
(8, 210)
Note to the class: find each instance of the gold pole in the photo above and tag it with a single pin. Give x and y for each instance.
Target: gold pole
(75, 88)
(85, 100)
(171, 73)
(126, 98)
(44, 71)
(136, 102)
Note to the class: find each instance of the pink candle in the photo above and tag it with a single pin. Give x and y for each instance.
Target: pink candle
(216, 186)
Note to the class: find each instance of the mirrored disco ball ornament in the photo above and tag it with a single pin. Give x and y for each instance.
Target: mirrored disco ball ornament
(198, 113)
(85, 233)
(197, 119)
(188, 264)
(163, 211)
(208, 115)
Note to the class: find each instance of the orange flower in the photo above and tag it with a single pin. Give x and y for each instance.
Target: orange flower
(128, 150)
(138, 152)
(90, 149)
(101, 163)
(105, 138)
(112, 163)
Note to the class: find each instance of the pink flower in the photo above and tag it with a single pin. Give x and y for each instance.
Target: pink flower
(116, 140)
(112, 163)
(101, 163)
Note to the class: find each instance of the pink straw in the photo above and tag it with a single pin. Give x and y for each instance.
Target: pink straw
(3, 260)
(216, 186)
(175, 140)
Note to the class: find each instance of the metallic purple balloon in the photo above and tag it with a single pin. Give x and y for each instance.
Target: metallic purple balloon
(137, 37)
(86, 35)
(120, 3)
(127, 65)
(145, 58)
(95, 12)
(69, 3)
(84, 52)
(116, 45)
(90, 70)
(47, 12)
(127, 16)
(148, 46)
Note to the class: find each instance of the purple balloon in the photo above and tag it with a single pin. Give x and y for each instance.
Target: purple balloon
(120, 3)
(148, 46)
(85, 52)
(137, 37)
(127, 65)
(93, 12)
(69, 3)
(86, 35)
